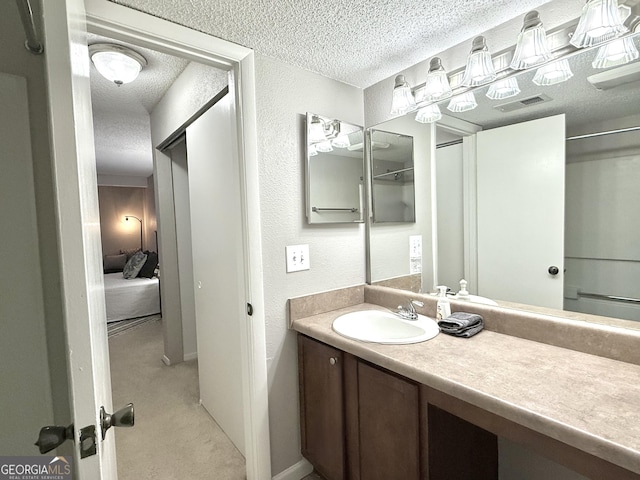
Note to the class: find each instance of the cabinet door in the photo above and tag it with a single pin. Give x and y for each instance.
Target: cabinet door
(389, 426)
(321, 407)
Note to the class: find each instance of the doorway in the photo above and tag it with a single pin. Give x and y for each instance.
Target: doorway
(72, 151)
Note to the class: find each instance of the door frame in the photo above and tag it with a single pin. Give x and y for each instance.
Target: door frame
(116, 21)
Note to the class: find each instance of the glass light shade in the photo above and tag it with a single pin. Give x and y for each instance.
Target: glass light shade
(429, 114)
(324, 146)
(403, 100)
(504, 89)
(480, 69)
(462, 103)
(437, 84)
(616, 53)
(532, 48)
(341, 141)
(116, 63)
(313, 151)
(556, 72)
(600, 21)
(316, 130)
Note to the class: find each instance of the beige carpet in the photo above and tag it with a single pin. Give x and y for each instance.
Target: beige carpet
(173, 437)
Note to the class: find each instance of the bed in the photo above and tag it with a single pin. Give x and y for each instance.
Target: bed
(130, 298)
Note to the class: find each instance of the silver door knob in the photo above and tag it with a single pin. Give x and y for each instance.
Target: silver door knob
(553, 270)
(122, 418)
(333, 360)
(53, 436)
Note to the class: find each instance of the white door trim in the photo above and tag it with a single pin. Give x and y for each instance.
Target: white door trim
(104, 17)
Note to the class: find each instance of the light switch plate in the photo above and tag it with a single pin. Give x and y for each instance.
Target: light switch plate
(297, 258)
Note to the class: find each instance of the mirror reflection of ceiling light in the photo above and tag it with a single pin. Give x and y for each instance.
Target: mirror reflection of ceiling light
(116, 63)
(403, 101)
(429, 114)
(504, 89)
(324, 146)
(462, 103)
(623, 50)
(312, 150)
(553, 73)
(341, 141)
(532, 48)
(316, 130)
(600, 21)
(437, 84)
(480, 69)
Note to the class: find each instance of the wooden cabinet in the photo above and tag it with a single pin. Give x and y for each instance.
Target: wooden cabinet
(361, 422)
(322, 407)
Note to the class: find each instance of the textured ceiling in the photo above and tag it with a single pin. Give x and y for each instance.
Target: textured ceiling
(359, 42)
(121, 114)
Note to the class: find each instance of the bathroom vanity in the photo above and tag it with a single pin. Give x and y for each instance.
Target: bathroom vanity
(434, 410)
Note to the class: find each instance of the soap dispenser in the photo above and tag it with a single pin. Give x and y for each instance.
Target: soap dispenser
(443, 307)
(463, 294)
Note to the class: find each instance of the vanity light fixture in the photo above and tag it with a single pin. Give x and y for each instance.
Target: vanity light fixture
(480, 69)
(403, 101)
(553, 73)
(116, 63)
(620, 51)
(532, 48)
(429, 114)
(503, 89)
(437, 85)
(599, 22)
(462, 103)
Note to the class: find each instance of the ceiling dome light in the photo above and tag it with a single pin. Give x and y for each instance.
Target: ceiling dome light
(403, 100)
(437, 84)
(600, 21)
(503, 89)
(532, 48)
(462, 103)
(116, 63)
(480, 68)
(556, 72)
(429, 114)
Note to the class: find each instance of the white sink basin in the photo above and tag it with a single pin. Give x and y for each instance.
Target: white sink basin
(384, 327)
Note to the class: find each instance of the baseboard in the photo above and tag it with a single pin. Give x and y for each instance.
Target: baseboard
(295, 472)
(190, 356)
(166, 360)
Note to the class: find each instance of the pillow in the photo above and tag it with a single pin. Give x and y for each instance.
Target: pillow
(130, 253)
(114, 263)
(149, 267)
(134, 265)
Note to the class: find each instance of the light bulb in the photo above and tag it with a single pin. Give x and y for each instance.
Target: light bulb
(462, 103)
(556, 72)
(403, 100)
(480, 69)
(503, 89)
(437, 84)
(599, 22)
(532, 48)
(429, 114)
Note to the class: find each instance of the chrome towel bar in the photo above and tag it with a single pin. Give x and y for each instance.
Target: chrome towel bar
(318, 209)
(614, 298)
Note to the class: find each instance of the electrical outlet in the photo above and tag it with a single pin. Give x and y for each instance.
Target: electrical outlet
(297, 258)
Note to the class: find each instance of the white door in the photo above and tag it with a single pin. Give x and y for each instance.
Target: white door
(216, 235)
(520, 200)
(78, 224)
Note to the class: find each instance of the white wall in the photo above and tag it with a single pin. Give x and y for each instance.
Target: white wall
(34, 371)
(390, 241)
(284, 94)
(180, 173)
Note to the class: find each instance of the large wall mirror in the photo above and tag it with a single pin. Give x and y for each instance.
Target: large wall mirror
(334, 171)
(534, 199)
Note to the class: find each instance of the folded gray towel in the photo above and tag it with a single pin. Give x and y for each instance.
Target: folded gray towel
(461, 324)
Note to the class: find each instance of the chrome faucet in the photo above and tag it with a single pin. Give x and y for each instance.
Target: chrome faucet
(408, 312)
